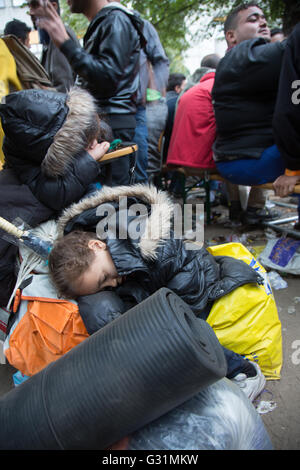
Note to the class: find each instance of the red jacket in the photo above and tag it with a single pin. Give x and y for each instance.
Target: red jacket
(194, 128)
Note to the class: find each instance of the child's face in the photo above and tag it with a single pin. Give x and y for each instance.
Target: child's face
(101, 273)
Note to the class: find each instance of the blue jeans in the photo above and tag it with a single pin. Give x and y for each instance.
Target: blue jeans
(175, 185)
(141, 139)
(254, 171)
(236, 363)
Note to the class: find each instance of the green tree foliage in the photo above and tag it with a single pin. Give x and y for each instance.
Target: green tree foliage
(173, 19)
(78, 23)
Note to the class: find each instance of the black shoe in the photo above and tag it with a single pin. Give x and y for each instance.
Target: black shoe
(297, 226)
(257, 215)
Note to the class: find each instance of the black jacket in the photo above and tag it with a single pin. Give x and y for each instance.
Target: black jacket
(286, 120)
(16, 202)
(39, 144)
(156, 258)
(55, 63)
(45, 167)
(155, 54)
(244, 96)
(108, 65)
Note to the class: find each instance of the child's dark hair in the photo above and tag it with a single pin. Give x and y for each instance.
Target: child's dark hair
(69, 258)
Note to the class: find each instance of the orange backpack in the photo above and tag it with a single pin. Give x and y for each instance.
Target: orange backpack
(45, 327)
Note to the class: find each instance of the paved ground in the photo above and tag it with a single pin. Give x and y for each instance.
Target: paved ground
(283, 423)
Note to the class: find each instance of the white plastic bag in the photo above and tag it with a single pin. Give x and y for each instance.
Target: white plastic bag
(282, 254)
(220, 417)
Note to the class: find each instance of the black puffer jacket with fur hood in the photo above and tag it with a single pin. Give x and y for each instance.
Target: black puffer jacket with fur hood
(46, 169)
(156, 258)
(45, 134)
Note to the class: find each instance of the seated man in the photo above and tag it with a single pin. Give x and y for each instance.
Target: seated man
(194, 128)
(244, 97)
(194, 133)
(93, 256)
(51, 153)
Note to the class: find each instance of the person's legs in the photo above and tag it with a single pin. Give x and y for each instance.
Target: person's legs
(245, 374)
(251, 172)
(232, 191)
(256, 210)
(234, 203)
(175, 186)
(254, 171)
(141, 139)
(257, 197)
(121, 168)
(236, 364)
(156, 113)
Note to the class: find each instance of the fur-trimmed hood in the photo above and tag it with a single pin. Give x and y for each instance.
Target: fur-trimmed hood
(47, 128)
(158, 224)
(158, 258)
(72, 136)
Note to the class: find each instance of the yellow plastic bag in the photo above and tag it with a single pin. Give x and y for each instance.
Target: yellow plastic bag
(246, 320)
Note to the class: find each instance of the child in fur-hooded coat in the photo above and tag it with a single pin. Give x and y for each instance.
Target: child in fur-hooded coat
(144, 260)
(51, 154)
(154, 257)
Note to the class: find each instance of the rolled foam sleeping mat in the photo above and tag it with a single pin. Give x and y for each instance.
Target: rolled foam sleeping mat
(143, 364)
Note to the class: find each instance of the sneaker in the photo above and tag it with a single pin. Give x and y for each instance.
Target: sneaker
(256, 215)
(251, 386)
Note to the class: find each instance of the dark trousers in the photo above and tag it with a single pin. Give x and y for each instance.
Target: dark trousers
(141, 139)
(235, 363)
(121, 168)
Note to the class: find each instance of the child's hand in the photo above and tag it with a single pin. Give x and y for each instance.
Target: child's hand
(97, 151)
